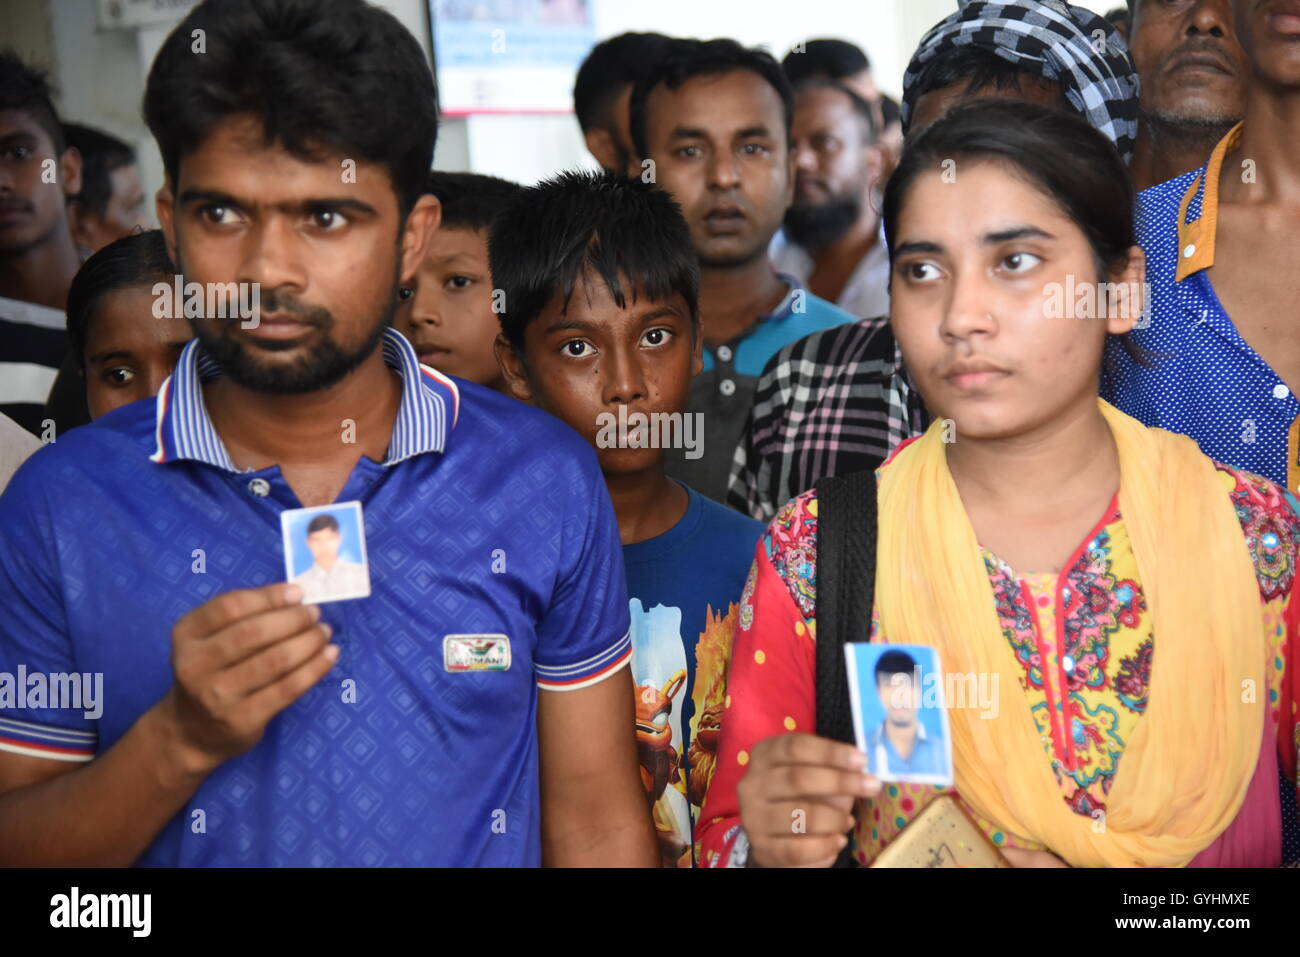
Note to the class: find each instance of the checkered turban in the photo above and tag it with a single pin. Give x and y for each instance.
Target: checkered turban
(1068, 44)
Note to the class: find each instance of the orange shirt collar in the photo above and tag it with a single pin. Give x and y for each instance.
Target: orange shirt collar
(1196, 239)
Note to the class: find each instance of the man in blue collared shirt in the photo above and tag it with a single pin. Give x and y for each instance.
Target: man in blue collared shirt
(418, 726)
(898, 746)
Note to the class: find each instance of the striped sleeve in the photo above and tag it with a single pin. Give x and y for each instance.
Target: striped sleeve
(585, 636)
(45, 741)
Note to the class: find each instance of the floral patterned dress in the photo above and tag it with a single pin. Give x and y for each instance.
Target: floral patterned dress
(1084, 642)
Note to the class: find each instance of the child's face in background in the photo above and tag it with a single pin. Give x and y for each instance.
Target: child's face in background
(595, 356)
(128, 351)
(449, 320)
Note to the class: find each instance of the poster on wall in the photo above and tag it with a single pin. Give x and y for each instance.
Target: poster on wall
(509, 56)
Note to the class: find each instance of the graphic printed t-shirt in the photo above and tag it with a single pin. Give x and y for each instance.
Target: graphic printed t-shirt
(685, 590)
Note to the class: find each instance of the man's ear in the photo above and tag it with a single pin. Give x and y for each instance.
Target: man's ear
(601, 145)
(697, 354)
(70, 171)
(164, 204)
(79, 224)
(512, 369)
(421, 223)
(1131, 278)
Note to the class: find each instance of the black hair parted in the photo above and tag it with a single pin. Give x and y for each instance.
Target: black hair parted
(683, 60)
(611, 65)
(470, 200)
(1060, 153)
(139, 259)
(322, 76)
(101, 154)
(27, 89)
(321, 522)
(629, 234)
(836, 59)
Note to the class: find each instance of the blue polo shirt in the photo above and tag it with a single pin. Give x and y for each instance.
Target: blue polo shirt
(486, 517)
(1202, 378)
(926, 756)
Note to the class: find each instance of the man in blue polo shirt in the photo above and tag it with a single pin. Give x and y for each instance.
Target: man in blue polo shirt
(422, 725)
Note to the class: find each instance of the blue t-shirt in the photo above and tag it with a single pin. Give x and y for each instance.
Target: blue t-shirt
(685, 588)
(495, 571)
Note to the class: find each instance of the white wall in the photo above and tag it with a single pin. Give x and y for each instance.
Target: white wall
(101, 73)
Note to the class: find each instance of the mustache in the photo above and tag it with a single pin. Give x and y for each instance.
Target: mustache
(280, 302)
(1208, 45)
(15, 205)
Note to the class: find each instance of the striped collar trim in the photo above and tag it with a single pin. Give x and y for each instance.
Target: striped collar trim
(428, 411)
(1196, 239)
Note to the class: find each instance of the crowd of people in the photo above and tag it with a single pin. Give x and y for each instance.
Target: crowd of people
(1018, 341)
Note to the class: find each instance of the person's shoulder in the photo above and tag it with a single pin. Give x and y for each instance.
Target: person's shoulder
(104, 451)
(823, 312)
(825, 350)
(1270, 522)
(485, 415)
(722, 521)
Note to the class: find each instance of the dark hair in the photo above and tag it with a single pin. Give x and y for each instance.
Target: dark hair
(320, 75)
(976, 66)
(836, 59)
(889, 110)
(1059, 152)
(101, 155)
(1121, 16)
(470, 200)
(139, 259)
(321, 522)
(628, 233)
(895, 662)
(611, 65)
(860, 106)
(27, 89)
(683, 60)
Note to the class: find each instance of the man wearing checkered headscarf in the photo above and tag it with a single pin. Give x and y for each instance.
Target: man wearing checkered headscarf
(1067, 44)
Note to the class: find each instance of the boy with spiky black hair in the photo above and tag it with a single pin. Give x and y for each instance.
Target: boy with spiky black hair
(601, 328)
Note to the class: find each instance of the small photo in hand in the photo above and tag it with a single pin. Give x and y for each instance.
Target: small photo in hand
(899, 717)
(325, 551)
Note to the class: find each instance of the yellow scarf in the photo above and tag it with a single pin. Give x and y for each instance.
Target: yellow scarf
(1185, 770)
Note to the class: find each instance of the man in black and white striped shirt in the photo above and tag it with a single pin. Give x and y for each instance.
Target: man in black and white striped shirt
(37, 255)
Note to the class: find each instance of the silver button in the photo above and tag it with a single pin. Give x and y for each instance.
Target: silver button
(1280, 391)
(724, 353)
(1190, 251)
(259, 487)
(727, 387)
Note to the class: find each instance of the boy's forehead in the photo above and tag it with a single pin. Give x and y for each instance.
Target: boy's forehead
(457, 242)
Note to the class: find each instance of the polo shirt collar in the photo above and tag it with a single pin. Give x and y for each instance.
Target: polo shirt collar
(426, 414)
(1196, 238)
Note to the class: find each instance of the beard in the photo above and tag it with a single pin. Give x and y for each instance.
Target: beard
(326, 362)
(816, 227)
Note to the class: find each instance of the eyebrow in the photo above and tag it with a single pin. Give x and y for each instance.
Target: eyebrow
(111, 354)
(191, 197)
(989, 239)
(18, 138)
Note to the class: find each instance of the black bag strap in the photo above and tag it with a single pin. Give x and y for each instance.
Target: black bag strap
(846, 579)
